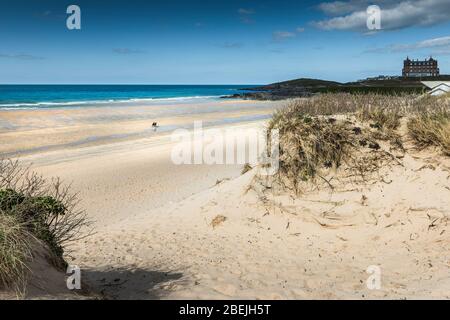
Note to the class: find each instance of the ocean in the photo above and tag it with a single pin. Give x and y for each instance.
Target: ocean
(77, 96)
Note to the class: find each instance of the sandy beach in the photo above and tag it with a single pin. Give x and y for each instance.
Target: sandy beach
(122, 175)
(38, 130)
(166, 231)
(245, 151)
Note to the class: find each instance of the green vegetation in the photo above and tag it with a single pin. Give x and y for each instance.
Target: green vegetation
(394, 86)
(33, 211)
(305, 82)
(15, 253)
(359, 89)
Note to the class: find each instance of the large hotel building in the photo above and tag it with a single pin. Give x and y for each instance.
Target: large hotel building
(418, 68)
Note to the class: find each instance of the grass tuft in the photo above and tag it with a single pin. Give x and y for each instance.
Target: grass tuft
(380, 118)
(246, 168)
(15, 253)
(32, 208)
(326, 132)
(431, 128)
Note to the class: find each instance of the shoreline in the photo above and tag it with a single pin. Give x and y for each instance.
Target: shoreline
(136, 136)
(34, 131)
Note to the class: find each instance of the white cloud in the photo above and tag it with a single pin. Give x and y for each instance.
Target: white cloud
(283, 35)
(246, 11)
(394, 14)
(127, 51)
(279, 36)
(232, 45)
(426, 44)
(245, 15)
(433, 46)
(337, 8)
(20, 56)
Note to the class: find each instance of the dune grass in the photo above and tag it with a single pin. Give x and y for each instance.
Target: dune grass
(381, 111)
(15, 253)
(431, 128)
(330, 130)
(33, 209)
(311, 146)
(307, 143)
(387, 118)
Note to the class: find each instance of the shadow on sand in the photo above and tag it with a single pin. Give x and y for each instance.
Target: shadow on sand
(135, 284)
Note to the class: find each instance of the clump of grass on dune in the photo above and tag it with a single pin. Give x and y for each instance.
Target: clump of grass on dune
(383, 112)
(380, 118)
(324, 104)
(348, 133)
(385, 121)
(332, 131)
(33, 209)
(431, 128)
(308, 143)
(15, 253)
(312, 148)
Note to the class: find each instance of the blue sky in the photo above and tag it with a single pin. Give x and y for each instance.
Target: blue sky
(216, 42)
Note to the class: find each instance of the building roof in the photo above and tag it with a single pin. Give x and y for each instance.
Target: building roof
(434, 84)
(438, 91)
(418, 60)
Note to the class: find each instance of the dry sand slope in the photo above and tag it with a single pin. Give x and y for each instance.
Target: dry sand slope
(225, 242)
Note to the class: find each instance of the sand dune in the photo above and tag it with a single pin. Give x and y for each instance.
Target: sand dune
(169, 232)
(261, 252)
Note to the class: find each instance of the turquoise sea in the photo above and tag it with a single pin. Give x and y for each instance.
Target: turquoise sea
(76, 96)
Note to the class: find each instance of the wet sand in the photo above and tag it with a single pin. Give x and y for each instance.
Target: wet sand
(33, 131)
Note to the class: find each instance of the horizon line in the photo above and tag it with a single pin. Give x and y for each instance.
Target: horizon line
(131, 84)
